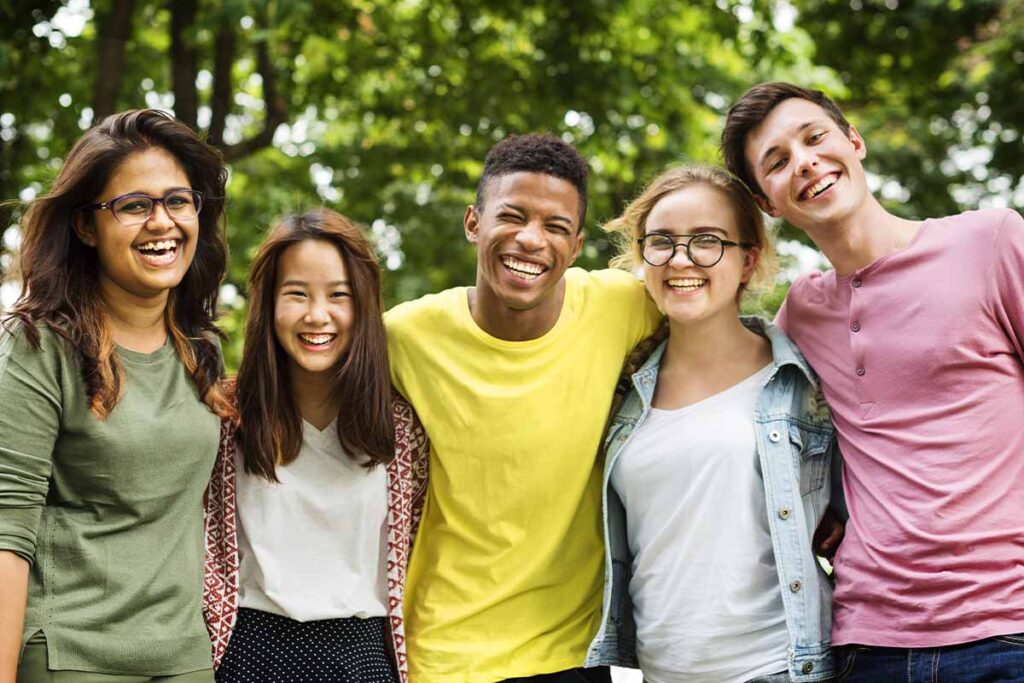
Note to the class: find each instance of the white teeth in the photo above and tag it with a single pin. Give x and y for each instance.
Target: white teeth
(533, 270)
(162, 245)
(820, 186)
(316, 339)
(688, 284)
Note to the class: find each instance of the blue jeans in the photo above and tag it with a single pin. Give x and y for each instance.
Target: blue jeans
(993, 660)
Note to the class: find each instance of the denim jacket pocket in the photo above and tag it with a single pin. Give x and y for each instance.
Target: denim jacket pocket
(810, 446)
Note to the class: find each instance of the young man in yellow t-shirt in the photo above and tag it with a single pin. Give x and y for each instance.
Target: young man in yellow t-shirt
(513, 379)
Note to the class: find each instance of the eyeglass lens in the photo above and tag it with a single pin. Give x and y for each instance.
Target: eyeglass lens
(702, 250)
(137, 208)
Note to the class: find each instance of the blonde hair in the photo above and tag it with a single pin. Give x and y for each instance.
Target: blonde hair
(625, 230)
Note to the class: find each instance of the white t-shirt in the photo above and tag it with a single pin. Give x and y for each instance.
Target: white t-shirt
(313, 546)
(705, 590)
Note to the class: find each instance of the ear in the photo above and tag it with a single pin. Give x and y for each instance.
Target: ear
(766, 206)
(857, 141)
(84, 228)
(580, 238)
(471, 223)
(750, 258)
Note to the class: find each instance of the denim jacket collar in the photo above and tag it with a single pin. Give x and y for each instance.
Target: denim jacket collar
(784, 353)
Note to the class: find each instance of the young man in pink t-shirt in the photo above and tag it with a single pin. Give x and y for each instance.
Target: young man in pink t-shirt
(918, 337)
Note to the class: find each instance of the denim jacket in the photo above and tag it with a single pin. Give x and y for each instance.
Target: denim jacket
(795, 444)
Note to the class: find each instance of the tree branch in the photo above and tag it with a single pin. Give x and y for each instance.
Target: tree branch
(112, 41)
(183, 61)
(274, 102)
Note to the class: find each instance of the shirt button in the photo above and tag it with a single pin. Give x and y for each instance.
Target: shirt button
(807, 668)
(774, 437)
(856, 282)
(860, 372)
(784, 513)
(855, 327)
(795, 586)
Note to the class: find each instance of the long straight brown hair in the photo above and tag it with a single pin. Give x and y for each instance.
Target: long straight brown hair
(270, 432)
(59, 272)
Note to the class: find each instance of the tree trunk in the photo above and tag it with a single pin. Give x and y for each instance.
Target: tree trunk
(183, 61)
(113, 32)
(223, 61)
(275, 103)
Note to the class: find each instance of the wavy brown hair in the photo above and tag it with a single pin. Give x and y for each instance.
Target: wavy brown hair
(59, 272)
(270, 433)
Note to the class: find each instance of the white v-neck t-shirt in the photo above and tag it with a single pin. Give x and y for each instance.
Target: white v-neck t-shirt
(705, 590)
(313, 546)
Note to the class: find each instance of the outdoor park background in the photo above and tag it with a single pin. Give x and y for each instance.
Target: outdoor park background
(384, 110)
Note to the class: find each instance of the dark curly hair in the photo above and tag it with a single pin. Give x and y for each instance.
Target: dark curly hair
(535, 153)
(750, 111)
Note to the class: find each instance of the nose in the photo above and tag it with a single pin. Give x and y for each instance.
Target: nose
(160, 218)
(317, 314)
(531, 236)
(805, 160)
(680, 257)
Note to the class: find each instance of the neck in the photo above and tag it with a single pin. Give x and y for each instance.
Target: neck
(314, 396)
(863, 238)
(511, 324)
(715, 342)
(136, 323)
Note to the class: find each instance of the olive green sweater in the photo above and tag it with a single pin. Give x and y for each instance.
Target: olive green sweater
(109, 512)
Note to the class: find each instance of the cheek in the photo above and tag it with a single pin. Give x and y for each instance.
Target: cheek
(652, 280)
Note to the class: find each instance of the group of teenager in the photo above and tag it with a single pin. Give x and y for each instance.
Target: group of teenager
(531, 479)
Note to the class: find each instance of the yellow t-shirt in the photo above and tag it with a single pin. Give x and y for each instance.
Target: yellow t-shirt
(506, 574)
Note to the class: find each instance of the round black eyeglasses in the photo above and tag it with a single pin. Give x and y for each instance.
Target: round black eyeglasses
(703, 250)
(136, 208)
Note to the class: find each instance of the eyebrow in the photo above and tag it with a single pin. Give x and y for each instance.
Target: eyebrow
(555, 217)
(774, 148)
(303, 283)
(699, 230)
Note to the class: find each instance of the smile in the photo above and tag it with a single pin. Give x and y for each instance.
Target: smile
(158, 252)
(686, 284)
(316, 339)
(820, 186)
(523, 269)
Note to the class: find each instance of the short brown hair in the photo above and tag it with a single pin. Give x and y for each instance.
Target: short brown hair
(632, 224)
(749, 111)
(270, 433)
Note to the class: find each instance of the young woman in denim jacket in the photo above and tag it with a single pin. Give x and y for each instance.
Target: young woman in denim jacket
(718, 459)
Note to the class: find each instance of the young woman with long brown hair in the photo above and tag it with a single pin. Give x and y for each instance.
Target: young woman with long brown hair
(109, 368)
(332, 472)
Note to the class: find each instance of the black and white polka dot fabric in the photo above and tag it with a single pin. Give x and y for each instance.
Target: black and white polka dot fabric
(269, 648)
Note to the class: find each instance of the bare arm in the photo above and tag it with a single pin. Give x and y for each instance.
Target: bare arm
(13, 594)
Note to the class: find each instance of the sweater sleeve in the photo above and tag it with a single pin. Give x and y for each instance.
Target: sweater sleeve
(29, 423)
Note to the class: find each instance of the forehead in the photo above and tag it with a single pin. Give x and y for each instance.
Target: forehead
(534, 192)
(785, 123)
(311, 261)
(694, 207)
(150, 171)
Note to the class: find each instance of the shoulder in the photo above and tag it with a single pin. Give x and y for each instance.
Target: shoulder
(990, 221)
(808, 288)
(610, 284)
(20, 340)
(428, 309)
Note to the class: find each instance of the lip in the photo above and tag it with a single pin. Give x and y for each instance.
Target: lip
(674, 291)
(523, 278)
(155, 261)
(815, 181)
(316, 348)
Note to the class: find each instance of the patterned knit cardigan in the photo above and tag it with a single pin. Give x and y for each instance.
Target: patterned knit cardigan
(407, 485)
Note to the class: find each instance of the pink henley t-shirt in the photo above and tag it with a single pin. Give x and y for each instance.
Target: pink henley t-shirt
(920, 357)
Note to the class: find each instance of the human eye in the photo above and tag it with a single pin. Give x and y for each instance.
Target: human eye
(133, 206)
(294, 293)
(341, 294)
(816, 137)
(558, 228)
(659, 242)
(178, 200)
(510, 217)
(776, 164)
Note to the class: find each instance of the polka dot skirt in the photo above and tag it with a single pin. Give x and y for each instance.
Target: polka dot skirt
(269, 648)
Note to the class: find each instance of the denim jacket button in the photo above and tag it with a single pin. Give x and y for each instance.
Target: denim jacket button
(774, 437)
(784, 513)
(807, 668)
(795, 586)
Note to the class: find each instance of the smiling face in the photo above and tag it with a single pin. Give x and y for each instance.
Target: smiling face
(527, 234)
(313, 308)
(143, 261)
(683, 291)
(809, 170)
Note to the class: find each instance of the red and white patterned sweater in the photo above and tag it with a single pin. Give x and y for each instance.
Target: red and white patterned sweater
(407, 486)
